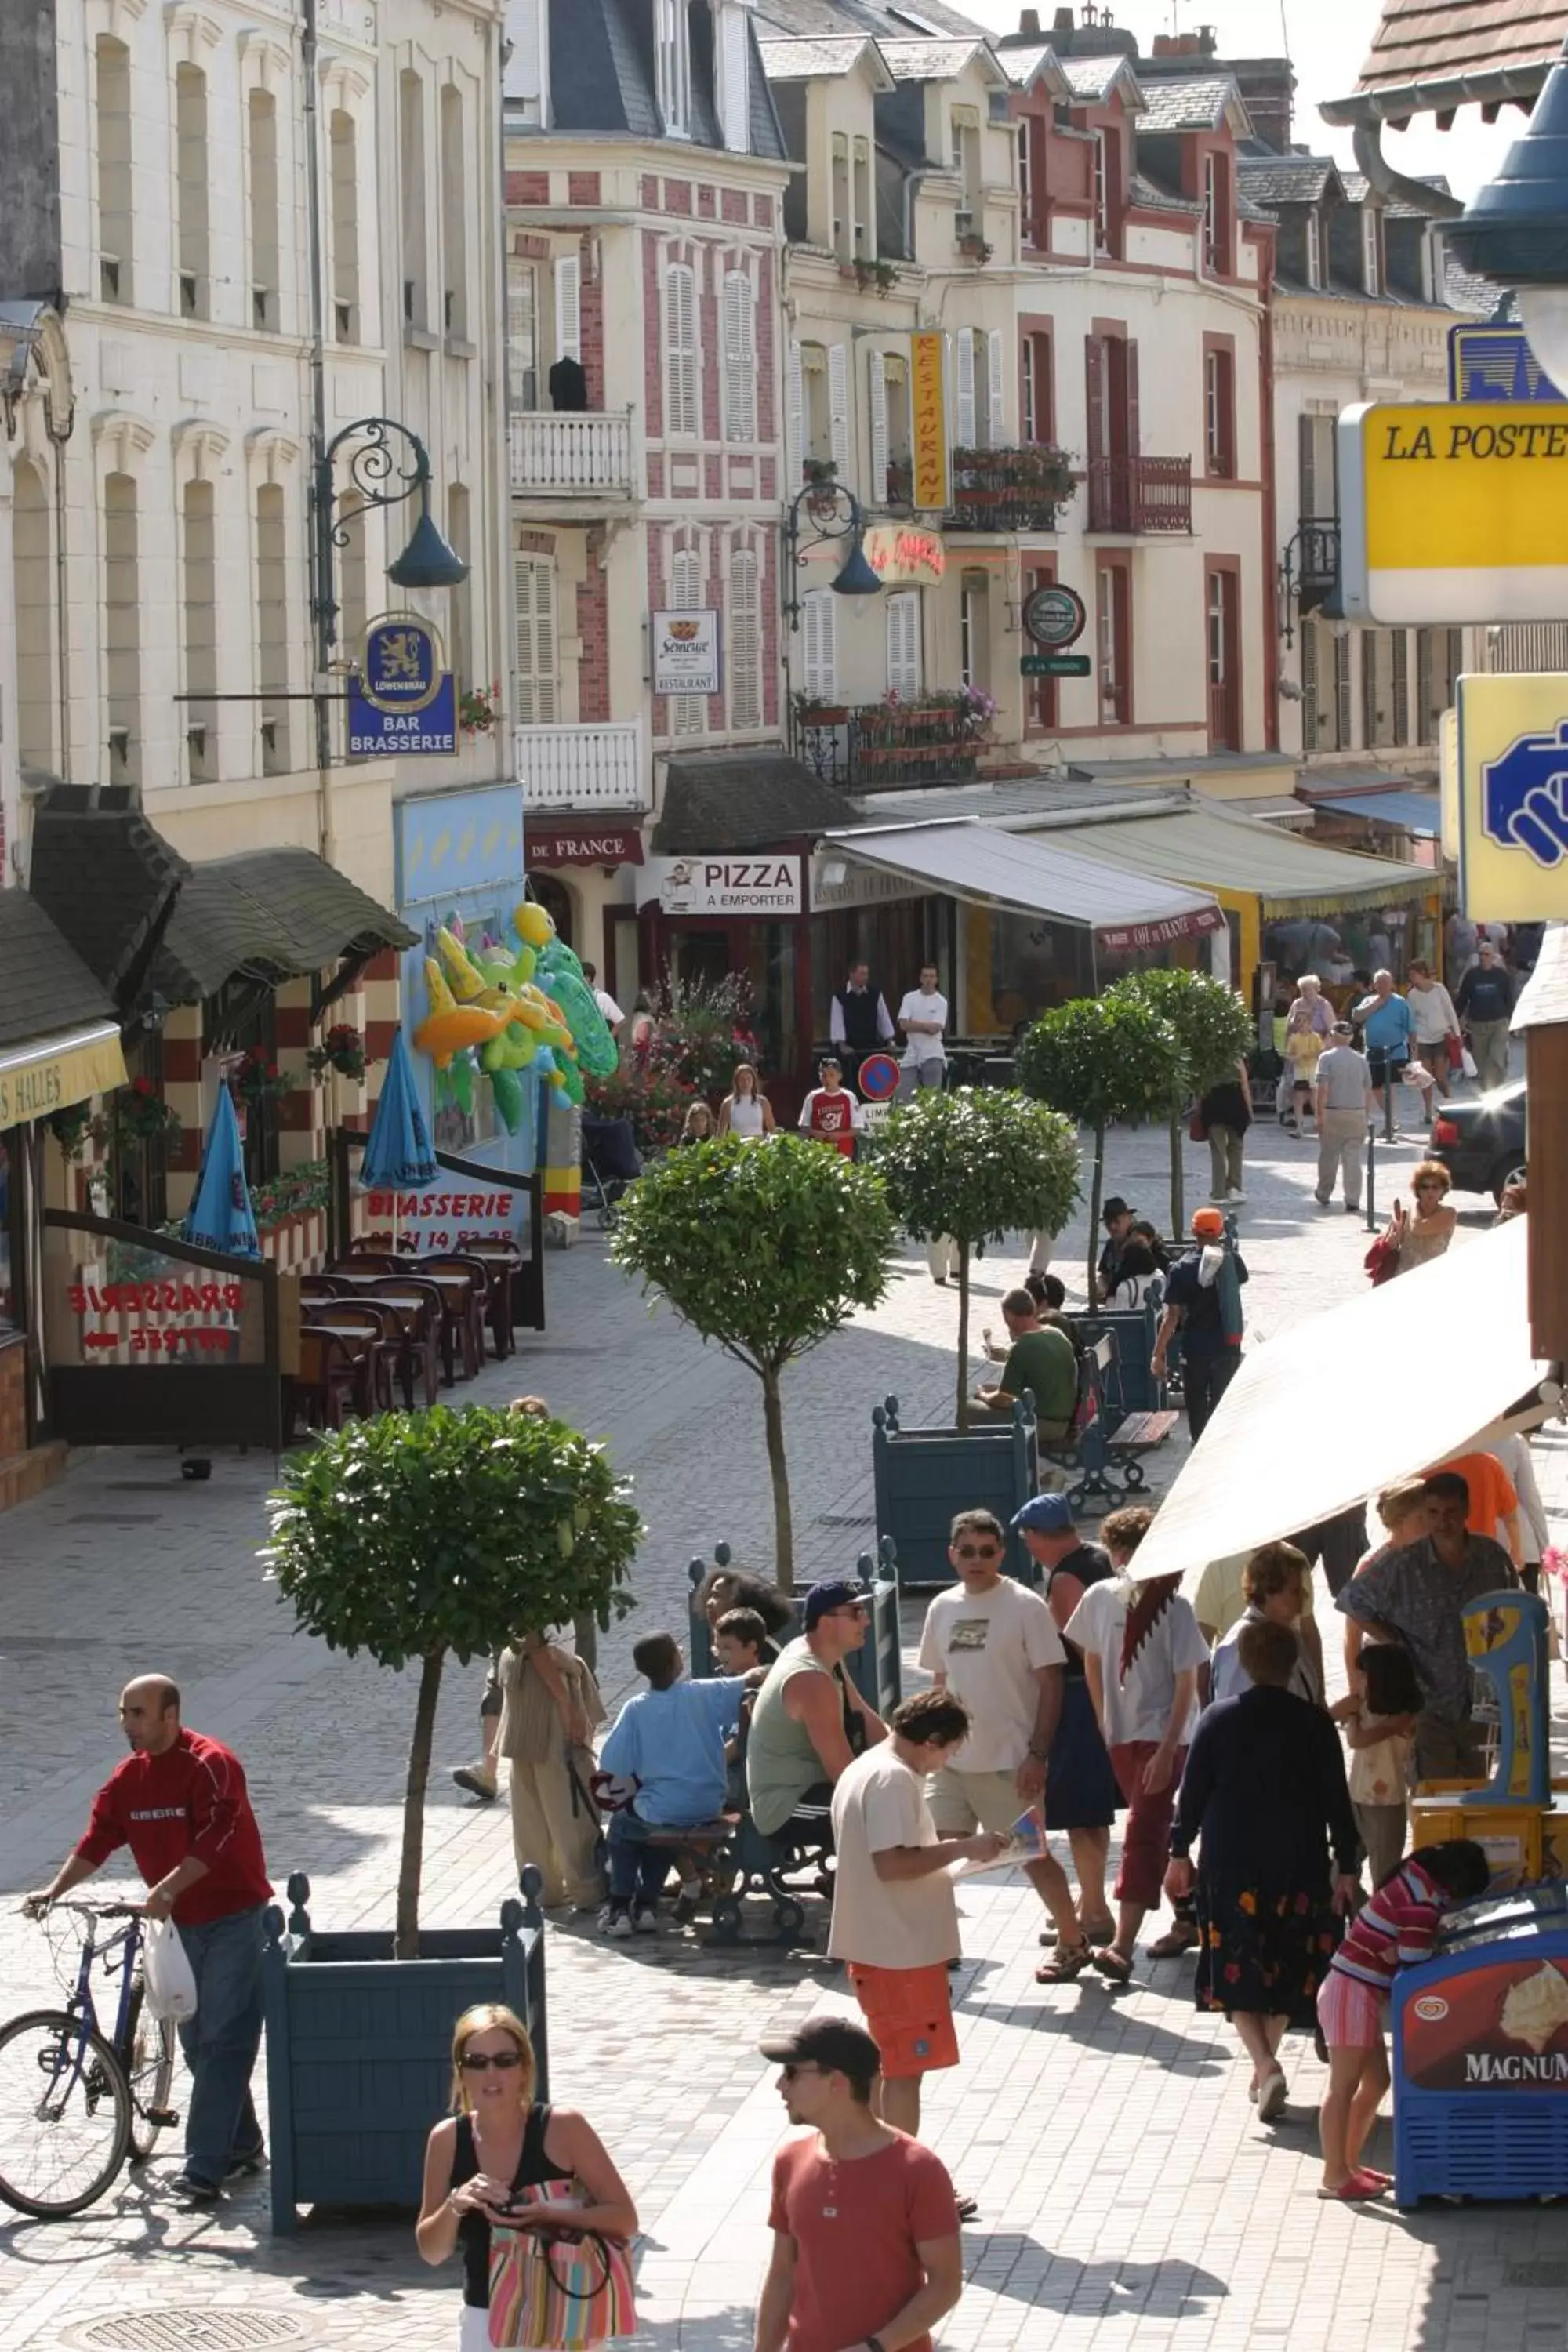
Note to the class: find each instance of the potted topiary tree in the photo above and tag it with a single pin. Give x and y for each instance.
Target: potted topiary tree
(1100, 1058)
(767, 1248)
(415, 1537)
(1214, 1032)
(977, 1164)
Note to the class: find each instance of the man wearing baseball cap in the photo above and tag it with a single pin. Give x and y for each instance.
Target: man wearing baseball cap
(1203, 1300)
(810, 1721)
(866, 2245)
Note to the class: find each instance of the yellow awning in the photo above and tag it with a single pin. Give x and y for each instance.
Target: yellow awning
(53, 1073)
(1214, 851)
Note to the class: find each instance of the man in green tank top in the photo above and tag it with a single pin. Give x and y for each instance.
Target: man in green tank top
(810, 1721)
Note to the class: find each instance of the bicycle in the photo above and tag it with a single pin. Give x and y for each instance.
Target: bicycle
(76, 2103)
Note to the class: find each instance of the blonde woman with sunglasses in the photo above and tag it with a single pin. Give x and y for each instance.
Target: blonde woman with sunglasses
(499, 2142)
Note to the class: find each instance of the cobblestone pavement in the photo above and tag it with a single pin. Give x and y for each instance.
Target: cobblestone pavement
(1129, 2198)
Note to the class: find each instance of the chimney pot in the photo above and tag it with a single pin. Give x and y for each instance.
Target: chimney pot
(1029, 24)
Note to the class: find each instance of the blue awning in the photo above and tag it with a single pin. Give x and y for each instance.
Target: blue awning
(1415, 811)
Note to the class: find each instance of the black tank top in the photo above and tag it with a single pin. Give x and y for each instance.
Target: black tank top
(473, 2230)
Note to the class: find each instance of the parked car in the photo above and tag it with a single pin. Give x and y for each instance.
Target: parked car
(1480, 1140)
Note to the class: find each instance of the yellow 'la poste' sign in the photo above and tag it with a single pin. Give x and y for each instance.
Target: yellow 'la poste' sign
(1454, 514)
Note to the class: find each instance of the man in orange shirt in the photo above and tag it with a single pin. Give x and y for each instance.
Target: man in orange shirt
(1492, 1508)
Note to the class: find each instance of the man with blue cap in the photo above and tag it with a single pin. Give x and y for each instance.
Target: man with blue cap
(810, 1722)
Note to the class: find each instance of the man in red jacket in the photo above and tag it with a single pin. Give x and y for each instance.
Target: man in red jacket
(179, 1802)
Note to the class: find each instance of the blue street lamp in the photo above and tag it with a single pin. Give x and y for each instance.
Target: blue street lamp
(1516, 231)
(380, 478)
(836, 513)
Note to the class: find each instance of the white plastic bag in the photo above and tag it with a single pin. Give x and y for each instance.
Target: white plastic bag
(1470, 1064)
(166, 1966)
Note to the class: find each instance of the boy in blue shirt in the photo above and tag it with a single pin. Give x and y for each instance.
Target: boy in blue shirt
(670, 1739)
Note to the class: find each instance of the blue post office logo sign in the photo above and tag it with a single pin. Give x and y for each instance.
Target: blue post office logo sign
(402, 666)
(1525, 797)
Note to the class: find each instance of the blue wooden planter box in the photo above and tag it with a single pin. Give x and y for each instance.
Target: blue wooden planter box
(923, 1478)
(359, 2045)
(1137, 1389)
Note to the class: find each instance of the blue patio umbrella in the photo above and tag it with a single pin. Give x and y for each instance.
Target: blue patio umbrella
(397, 1150)
(220, 1216)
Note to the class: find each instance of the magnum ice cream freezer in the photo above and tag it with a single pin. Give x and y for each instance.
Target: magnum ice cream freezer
(1480, 2054)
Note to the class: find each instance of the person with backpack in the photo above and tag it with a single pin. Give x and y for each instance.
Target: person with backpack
(1203, 1301)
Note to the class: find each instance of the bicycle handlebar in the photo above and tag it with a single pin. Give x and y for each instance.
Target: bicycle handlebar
(92, 1910)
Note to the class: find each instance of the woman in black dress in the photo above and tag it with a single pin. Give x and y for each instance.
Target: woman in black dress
(1265, 1791)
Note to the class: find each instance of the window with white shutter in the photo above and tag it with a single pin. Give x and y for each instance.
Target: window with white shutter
(819, 633)
(687, 712)
(736, 81)
(996, 401)
(738, 310)
(569, 308)
(521, 334)
(838, 407)
(746, 641)
(794, 417)
(536, 681)
(965, 364)
(680, 409)
(903, 642)
(877, 377)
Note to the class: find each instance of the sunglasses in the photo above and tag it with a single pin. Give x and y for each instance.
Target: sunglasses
(476, 2062)
(978, 1551)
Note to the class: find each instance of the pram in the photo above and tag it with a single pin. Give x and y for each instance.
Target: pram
(610, 1162)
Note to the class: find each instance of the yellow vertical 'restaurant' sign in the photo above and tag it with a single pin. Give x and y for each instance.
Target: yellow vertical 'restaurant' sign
(928, 403)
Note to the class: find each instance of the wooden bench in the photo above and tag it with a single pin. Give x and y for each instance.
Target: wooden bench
(1105, 1443)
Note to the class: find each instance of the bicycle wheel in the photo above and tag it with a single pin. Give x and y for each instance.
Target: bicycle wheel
(64, 2113)
(148, 2056)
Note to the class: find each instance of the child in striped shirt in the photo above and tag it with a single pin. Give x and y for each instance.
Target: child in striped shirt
(1395, 1928)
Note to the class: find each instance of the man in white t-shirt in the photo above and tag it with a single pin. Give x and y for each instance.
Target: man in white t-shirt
(995, 1644)
(895, 1922)
(606, 1004)
(922, 1017)
(1142, 1654)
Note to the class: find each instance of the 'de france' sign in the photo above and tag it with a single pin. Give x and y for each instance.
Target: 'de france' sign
(1454, 515)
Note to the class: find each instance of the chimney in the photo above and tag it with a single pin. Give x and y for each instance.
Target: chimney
(1028, 23)
(1063, 22)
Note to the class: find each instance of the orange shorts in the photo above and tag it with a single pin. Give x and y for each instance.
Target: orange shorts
(909, 2016)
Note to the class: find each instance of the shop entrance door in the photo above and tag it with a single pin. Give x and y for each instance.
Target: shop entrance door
(702, 959)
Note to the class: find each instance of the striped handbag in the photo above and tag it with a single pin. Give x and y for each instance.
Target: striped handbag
(560, 2290)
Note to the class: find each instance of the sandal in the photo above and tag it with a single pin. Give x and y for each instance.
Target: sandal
(1356, 2190)
(1272, 2093)
(1069, 1964)
(968, 2207)
(1176, 1940)
(1099, 1931)
(1110, 1964)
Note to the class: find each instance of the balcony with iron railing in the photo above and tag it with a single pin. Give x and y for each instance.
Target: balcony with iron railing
(1010, 490)
(569, 454)
(920, 738)
(1317, 567)
(1134, 498)
(590, 767)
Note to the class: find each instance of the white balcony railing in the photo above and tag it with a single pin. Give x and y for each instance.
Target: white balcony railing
(566, 455)
(581, 766)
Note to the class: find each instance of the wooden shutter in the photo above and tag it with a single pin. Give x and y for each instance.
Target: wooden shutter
(681, 349)
(996, 401)
(1307, 464)
(537, 693)
(745, 646)
(737, 81)
(687, 712)
(1129, 352)
(838, 407)
(1399, 716)
(569, 308)
(966, 426)
(737, 313)
(794, 424)
(1343, 737)
(1309, 686)
(877, 377)
(1094, 384)
(819, 627)
(903, 642)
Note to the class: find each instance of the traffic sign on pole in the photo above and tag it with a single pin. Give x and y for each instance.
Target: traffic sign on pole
(1053, 665)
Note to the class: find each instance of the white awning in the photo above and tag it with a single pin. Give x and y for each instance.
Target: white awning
(1029, 875)
(50, 1074)
(1441, 1356)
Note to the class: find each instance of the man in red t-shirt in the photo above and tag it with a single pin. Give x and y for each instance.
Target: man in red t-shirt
(179, 1802)
(867, 2256)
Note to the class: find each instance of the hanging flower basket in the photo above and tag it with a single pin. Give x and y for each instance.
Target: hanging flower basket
(136, 1114)
(260, 1080)
(70, 1128)
(342, 1049)
(478, 709)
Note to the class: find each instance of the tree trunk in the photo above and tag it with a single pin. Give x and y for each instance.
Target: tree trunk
(964, 1335)
(1096, 1193)
(585, 1639)
(405, 1944)
(778, 1471)
(1178, 1192)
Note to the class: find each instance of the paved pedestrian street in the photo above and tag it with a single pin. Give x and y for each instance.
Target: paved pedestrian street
(1130, 2200)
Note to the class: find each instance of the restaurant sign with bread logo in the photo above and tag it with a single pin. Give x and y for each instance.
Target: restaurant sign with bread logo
(685, 654)
(1502, 2026)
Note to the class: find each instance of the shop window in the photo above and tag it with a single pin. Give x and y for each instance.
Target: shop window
(272, 629)
(32, 583)
(342, 169)
(122, 628)
(536, 681)
(199, 614)
(115, 210)
(454, 214)
(262, 112)
(521, 335)
(414, 202)
(190, 191)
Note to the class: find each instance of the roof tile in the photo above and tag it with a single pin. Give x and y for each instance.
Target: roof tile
(1438, 40)
(44, 987)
